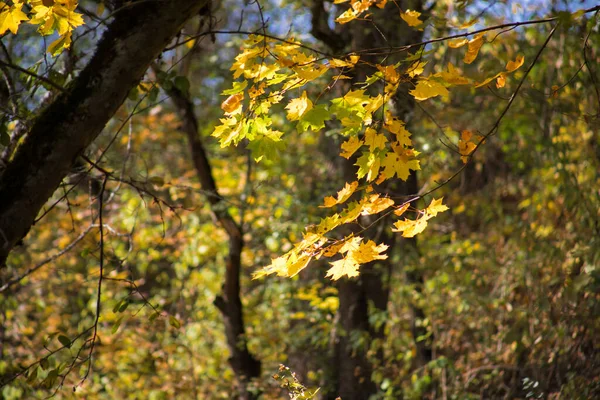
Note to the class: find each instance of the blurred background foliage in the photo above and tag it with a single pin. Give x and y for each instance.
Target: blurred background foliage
(511, 274)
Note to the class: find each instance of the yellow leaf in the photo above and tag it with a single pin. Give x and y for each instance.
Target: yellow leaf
(402, 209)
(395, 164)
(436, 207)
(350, 62)
(350, 146)
(453, 76)
(411, 17)
(63, 42)
(232, 103)
(311, 72)
(465, 145)
(376, 204)
(374, 140)
(389, 73)
(342, 196)
(501, 81)
(357, 253)
(11, 17)
(456, 43)
(514, 65)
(347, 16)
(426, 89)
(468, 24)
(369, 251)
(297, 264)
(347, 266)
(381, 3)
(488, 80)
(416, 68)
(409, 227)
(298, 107)
(396, 126)
(473, 49)
(369, 165)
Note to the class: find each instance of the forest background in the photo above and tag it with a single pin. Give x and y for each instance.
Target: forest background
(391, 199)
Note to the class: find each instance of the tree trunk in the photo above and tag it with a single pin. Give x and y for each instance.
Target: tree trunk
(70, 123)
(243, 363)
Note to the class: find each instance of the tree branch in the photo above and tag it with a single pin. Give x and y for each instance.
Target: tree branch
(78, 115)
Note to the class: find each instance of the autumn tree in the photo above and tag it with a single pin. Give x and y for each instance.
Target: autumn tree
(153, 203)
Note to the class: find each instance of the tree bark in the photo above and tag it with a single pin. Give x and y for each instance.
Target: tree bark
(70, 123)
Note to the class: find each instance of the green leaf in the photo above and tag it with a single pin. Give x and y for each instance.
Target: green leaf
(133, 94)
(124, 306)
(116, 325)
(266, 148)
(153, 94)
(314, 119)
(174, 322)
(238, 87)
(32, 375)
(182, 83)
(44, 363)
(117, 306)
(65, 341)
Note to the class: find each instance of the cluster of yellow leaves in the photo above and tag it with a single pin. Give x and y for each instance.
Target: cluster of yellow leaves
(50, 15)
(357, 7)
(500, 77)
(354, 251)
(411, 228)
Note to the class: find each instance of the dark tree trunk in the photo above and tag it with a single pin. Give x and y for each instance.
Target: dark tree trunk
(244, 364)
(70, 123)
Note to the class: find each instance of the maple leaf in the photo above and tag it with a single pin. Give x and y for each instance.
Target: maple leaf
(369, 251)
(473, 49)
(395, 164)
(368, 164)
(416, 68)
(411, 17)
(298, 107)
(389, 73)
(342, 196)
(453, 76)
(350, 146)
(396, 126)
(350, 62)
(436, 207)
(376, 204)
(409, 227)
(426, 89)
(314, 118)
(347, 266)
(11, 17)
(311, 72)
(374, 140)
(357, 253)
